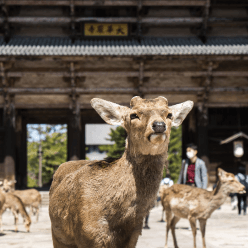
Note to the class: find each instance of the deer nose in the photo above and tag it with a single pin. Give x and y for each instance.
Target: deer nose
(158, 127)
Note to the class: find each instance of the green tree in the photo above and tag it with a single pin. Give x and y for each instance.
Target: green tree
(116, 150)
(54, 148)
(174, 151)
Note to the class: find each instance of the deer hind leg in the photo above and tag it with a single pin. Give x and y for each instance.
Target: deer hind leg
(203, 229)
(168, 225)
(37, 214)
(15, 213)
(31, 211)
(192, 221)
(173, 224)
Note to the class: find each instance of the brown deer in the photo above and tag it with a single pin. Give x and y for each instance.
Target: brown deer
(16, 206)
(2, 201)
(30, 197)
(192, 203)
(103, 203)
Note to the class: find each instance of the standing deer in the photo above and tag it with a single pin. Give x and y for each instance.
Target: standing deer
(2, 201)
(102, 204)
(192, 203)
(16, 206)
(30, 197)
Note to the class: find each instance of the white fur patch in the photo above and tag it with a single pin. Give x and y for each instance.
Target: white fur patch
(174, 202)
(154, 138)
(193, 204)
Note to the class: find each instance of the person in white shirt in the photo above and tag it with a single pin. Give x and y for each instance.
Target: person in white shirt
(167, 181)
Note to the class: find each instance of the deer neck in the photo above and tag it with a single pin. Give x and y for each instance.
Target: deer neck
(219, 195)
(147, 170)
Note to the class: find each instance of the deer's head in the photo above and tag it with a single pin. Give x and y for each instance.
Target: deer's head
(147, 122)
(27, 223)
(230, 181)
(6, 186)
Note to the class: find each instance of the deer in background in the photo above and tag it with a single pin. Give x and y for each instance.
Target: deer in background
(2, 201)
(30, 197)
(16, 206)
(102, 204)
(192, 203)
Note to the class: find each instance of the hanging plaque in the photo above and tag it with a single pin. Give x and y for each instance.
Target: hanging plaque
(105, 29)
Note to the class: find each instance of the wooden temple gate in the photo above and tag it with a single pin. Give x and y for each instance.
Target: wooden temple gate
(54, 59)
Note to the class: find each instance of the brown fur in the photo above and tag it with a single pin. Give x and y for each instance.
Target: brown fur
(30, 197)
(2, 201)
(16, 206)
(192, 203)
(102, 204)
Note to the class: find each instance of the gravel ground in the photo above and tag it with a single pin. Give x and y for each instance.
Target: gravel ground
(224, 229)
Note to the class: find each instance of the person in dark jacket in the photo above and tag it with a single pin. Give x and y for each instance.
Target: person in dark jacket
(242, 178)
(194, 171)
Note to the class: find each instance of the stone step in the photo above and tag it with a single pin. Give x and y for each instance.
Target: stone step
(45, 198)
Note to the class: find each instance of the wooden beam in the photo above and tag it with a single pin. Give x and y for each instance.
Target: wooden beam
(103, 90)
(107, 3)
(145, 20)
(128, 73)
(67, 20)
(88, 106)
(80, 58)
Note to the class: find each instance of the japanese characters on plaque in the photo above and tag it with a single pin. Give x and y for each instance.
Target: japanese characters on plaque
(105, 29)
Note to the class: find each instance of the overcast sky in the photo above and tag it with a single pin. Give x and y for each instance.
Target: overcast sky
(95, 134)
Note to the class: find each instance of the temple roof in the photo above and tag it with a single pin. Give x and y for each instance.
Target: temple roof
(147, 46)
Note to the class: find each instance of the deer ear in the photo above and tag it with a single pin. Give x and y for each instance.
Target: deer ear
(1, 182)
(221, 174)
(110, 112)
(180, 111)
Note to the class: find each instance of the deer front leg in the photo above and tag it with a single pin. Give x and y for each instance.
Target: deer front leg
(168, 225)
(134, 238)
(1, 224)
(173, 225)
(192, 221)
(203, 229)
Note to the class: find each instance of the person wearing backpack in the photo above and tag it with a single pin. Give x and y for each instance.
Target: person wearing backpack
(242, 178)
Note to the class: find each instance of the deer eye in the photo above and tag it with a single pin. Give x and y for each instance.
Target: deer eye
(169, 115)
(134, 116)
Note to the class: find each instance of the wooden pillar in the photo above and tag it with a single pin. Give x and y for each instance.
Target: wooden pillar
(21, 153)
(9, 146)
(202, 134)
(188, 131)
(83, 139)
(74, 136)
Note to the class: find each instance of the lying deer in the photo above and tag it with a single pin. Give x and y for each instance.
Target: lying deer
(192, 203)
(16, 206)
(102, 204)
(30, 197)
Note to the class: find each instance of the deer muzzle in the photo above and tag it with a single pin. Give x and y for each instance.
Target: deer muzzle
(158, 127)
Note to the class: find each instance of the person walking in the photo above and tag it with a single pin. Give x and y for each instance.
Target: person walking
(242, 178)
(193, 171)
